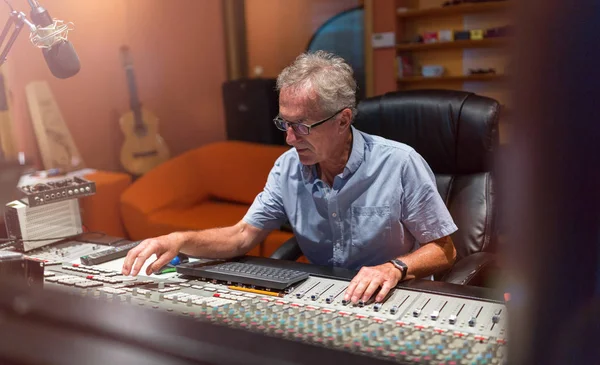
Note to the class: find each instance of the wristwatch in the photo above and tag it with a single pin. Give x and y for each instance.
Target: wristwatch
(400, 266)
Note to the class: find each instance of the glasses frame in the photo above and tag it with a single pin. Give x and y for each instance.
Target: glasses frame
(278, 119)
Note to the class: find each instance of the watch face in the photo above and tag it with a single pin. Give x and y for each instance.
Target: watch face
(400, 265)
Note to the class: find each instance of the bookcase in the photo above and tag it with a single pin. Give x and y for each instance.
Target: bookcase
(408, 19)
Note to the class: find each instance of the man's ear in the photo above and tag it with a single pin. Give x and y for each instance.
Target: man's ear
(345, 120)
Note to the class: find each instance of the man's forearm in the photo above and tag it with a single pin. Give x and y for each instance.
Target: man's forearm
(432, 257)
(213, 243)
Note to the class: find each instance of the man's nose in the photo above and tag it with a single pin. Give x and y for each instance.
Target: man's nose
(290, 136)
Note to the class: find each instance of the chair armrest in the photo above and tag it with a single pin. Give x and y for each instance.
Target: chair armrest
(471, 270)
(289, 250)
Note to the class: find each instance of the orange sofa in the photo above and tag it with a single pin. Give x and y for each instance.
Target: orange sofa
(101, 212)
(211, 186)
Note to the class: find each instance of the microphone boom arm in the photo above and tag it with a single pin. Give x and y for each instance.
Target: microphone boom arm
(19, 20)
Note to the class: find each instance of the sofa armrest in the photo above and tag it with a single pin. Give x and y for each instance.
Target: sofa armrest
(289, 250)
(101, 212)
(472, 270)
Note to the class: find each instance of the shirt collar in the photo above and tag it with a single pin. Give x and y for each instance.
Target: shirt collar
(309, 173)
(357, 155)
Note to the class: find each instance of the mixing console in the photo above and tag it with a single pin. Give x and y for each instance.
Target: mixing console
(409, 327)
(64, 252)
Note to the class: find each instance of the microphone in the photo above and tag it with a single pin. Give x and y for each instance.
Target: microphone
(51, 36)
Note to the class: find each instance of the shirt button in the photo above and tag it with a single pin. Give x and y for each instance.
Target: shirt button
(334, 214)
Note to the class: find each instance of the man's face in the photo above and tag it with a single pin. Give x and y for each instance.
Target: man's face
(301, 107)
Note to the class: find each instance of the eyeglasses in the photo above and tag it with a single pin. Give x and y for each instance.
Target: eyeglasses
(301, 128)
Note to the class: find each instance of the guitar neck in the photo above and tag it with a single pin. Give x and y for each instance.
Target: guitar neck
(134, 100)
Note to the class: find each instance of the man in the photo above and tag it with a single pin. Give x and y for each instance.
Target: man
(354, 200)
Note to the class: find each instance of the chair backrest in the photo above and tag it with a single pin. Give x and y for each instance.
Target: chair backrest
(457, 133)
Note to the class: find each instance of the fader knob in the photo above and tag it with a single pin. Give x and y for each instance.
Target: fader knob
(472, 322)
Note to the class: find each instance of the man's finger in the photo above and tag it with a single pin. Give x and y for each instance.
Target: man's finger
(130, 258)
(351, 288)
(161, 261)
(385, 289)
(359, 290)
(141, 259)
(373, 285)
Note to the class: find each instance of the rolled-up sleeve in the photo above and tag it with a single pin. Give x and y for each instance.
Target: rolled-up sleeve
(423, 211)
(267, 210)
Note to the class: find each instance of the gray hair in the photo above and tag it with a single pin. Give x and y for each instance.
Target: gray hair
(329, 76)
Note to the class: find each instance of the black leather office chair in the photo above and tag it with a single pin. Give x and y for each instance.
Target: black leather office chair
(457, 133)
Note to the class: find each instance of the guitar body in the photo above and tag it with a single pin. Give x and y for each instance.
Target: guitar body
(142, 149)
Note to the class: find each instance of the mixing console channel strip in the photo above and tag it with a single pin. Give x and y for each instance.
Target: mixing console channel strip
(66, 251)
(410, 327)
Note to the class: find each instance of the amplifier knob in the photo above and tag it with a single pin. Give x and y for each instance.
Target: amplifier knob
(76, 191)
(87, 188)
(70, 192)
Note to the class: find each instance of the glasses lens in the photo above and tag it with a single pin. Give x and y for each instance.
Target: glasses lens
(300, 129)
(280, 124)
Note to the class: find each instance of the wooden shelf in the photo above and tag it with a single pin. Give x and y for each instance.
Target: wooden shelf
(455, 9)
(482, 43)
(459, 78)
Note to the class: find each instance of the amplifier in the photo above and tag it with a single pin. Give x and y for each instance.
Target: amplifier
(50, 221)
(55, 191)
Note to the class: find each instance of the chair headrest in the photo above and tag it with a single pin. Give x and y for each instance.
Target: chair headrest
(455, 131)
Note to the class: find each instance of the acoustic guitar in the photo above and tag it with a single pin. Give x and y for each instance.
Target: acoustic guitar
(143, 148)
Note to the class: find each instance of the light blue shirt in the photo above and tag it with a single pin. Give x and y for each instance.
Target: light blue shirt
(383, 205)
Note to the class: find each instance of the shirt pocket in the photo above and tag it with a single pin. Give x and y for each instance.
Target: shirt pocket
(371, 227)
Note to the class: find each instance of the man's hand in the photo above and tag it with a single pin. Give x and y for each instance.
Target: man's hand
(164, 247)
(369, 279)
